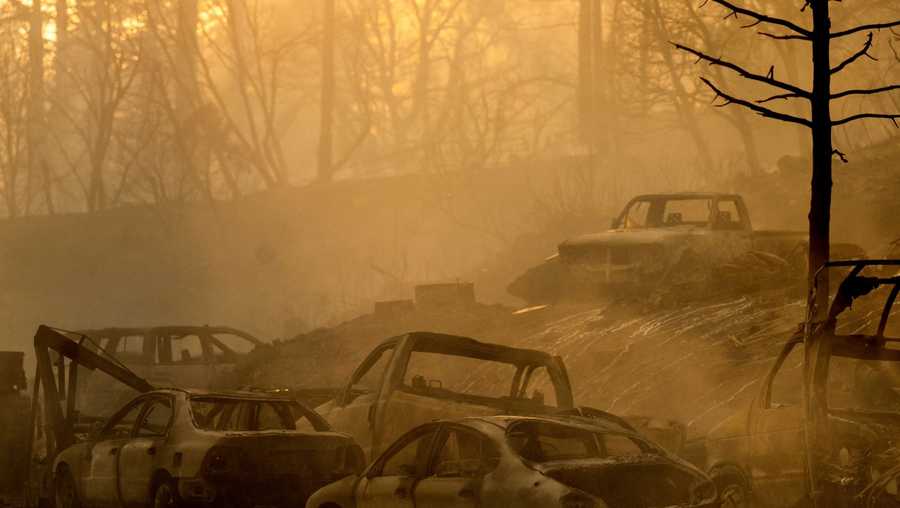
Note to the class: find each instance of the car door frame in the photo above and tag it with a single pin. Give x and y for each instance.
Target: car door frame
(374, 471)
(460, 484)
(151, 446)
(766, 421)
(93, 489)
(346, 403)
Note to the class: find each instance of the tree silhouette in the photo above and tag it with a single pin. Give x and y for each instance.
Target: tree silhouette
(820, 123)
(819, 97)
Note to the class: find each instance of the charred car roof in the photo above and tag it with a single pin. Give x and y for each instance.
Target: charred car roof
(168, 330)
(430, 342)
(686, 195)
(227, 394)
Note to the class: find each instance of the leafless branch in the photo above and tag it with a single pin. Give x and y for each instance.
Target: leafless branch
(780, 37)
(864, 28)
(841, 155)
(762, 111)
(745, 73)
(870, 91)
(782, 96)
(856, 56)
(861, 116)
(762, 18)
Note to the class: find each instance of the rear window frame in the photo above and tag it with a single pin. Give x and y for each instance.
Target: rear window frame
(319, 424)
(597, 435)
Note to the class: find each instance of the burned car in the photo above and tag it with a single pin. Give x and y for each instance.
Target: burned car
(842, 439)
(522, 462)
(201, 357)
(423, 376)
(667, 240)
(168, 447)
(172, 446)
(193, 356)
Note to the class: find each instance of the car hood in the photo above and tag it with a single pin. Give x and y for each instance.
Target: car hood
(648, 236)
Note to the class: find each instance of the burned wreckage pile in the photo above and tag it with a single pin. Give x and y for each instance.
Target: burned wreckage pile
(432, 419)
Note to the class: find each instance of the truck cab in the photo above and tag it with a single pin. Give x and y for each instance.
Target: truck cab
(713, 211)
(419, 377)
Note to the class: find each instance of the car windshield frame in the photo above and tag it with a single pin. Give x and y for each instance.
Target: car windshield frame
(656, 212)
(657, 207)
(536, 452)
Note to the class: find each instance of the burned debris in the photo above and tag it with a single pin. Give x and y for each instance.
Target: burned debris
(679, 305)
(838, 436)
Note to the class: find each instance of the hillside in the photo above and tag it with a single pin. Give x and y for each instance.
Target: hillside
(694, 364)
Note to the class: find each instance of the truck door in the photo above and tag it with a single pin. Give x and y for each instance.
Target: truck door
(101, 477)
(140, 456)
(354, 411)
(734, 233)
(776, 432)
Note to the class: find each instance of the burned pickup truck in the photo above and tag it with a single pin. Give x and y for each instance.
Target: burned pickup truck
(839, 439)
(422, 376)
(667, 239)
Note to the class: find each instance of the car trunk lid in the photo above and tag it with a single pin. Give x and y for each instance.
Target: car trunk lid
(647, 480)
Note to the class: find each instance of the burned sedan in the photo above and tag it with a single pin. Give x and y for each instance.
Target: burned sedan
(522, 461)
(172, 447)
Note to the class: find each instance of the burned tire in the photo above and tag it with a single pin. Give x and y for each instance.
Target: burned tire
(733, 491)
(165, 495)
(65, 495)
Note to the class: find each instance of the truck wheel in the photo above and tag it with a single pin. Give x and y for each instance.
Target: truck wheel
(165, 495)
(65, 494)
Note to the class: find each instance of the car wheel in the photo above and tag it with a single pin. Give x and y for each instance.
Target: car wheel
(733, 493)
(165, 495)
(65, 494)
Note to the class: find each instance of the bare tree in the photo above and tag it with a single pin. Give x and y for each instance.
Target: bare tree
(326, 125)
(13, 106)
(103, 66)
(819, 97)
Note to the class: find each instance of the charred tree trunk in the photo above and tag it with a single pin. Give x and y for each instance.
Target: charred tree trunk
(823, 151)
(326, 124)
(819, 234)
